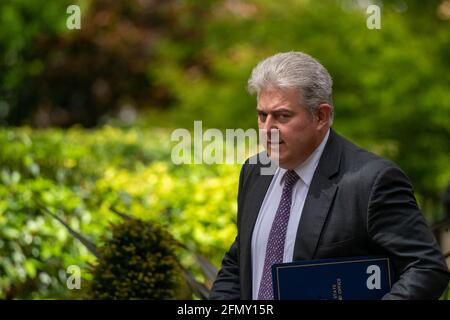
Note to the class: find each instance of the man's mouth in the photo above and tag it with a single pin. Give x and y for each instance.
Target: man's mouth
(274, 143)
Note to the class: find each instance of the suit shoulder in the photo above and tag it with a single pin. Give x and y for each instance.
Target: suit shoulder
(358, 158)
(251, 166)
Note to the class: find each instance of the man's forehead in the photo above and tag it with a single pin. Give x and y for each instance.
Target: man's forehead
(277, 101)
(281, 107)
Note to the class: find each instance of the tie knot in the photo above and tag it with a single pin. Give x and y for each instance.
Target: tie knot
(290, 177)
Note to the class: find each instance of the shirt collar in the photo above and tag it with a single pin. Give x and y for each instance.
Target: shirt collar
(306, 170)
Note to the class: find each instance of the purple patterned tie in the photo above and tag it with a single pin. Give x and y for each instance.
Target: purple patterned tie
(277, 236)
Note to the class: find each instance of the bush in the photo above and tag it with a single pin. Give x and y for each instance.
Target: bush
(138, 262)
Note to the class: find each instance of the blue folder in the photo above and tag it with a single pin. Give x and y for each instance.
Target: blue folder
(355, 278)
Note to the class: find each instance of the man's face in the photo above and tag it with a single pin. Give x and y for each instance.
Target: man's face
(299, 132)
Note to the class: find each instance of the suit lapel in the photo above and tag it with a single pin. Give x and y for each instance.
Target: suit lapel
(253, 202)
(315, 211)
(318, 202)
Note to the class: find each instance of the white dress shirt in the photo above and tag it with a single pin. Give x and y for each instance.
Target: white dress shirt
(269, 208)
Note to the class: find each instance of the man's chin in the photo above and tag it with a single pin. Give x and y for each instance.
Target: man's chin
(284, 165)
(279, 159)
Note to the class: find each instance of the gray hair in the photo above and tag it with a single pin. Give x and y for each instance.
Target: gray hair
(294, 70)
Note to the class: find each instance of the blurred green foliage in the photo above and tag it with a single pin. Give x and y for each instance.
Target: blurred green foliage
(183, 60)
(21, 24)
(79, 175)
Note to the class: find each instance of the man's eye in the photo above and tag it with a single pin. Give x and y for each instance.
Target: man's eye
(262, 116)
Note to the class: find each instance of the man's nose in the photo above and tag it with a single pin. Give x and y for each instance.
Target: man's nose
(269, 125)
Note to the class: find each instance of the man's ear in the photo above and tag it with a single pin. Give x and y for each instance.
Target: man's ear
(323, 115)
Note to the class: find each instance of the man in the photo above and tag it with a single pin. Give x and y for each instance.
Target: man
(327, 199)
